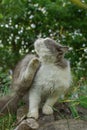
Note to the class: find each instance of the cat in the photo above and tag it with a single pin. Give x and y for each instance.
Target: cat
(47, 75)
(52, 79)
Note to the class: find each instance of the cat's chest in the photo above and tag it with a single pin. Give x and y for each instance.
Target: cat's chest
(52, 76)
(48, 73)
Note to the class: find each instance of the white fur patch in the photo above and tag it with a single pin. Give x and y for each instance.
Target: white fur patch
(51, 79)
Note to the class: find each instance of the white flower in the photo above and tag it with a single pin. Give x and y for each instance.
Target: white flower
(28, 28)
(70, 48)
(2, 25)
(16, 26)
(22, 42)
(20, 51)
(10, 23)
(10, 38)
(1, 45)
(31, 16)
(33, 25)
(80, 34)
(63, 36)
(10, 42)
(29, 12)
(79, 63)
(50, 30)
(22, 28)
(26, 50)
(6, 25)
(43, 10)
(64, 4)
(36, 5)
(51, 34)
(20, 31)
(15, 41)
(85, 50)
(26, 43)
(83, 45)
(17, 37)
(73, 37)
(11, 34)
(33, 51)
(80, 58)
(24, 46)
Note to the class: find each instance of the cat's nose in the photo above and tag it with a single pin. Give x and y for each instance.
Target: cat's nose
(38, 41)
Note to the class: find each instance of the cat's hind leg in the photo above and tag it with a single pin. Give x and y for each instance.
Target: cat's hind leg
(26, 77)
(31, 69)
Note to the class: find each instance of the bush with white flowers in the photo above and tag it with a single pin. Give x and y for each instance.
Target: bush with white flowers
(23, 23)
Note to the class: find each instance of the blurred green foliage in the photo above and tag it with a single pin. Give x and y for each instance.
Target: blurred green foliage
(5, 81)
(24, 21)
(6, 123)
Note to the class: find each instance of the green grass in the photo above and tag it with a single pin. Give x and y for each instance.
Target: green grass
(77, 96)
(6, 122)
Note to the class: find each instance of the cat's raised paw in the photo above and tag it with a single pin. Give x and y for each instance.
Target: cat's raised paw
(47, 110)
(35, 62)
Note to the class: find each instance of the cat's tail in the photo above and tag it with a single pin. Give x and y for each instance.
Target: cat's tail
(9, 104)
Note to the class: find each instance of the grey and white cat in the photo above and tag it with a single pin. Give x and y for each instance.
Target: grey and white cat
(47, 77)
(52, 79)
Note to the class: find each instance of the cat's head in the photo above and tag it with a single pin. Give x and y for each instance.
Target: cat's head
(46, 47)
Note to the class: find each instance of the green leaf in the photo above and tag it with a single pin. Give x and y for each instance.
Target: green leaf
(1, 16)
(83, 101)
(74, 111)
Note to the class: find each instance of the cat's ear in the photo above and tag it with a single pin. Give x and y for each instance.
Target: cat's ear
(64, 48)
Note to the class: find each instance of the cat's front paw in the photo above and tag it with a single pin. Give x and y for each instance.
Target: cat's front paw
(47, 110)
(34, 115)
